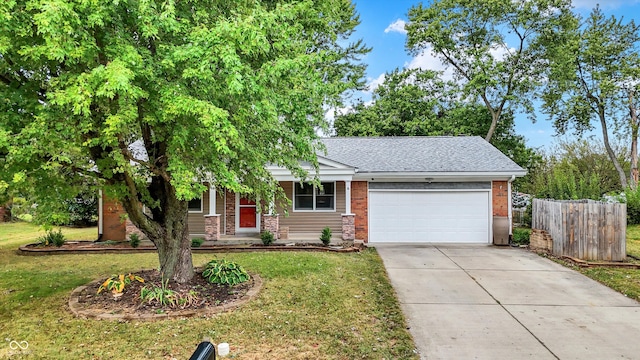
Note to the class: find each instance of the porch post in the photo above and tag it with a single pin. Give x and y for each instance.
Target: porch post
(212, 220)
(271, 220)
(348, 219)
(212, 200)
(347, 195)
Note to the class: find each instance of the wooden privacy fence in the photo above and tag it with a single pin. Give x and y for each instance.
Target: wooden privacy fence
(584, 229)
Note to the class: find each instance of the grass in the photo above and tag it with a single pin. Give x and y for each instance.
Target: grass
(625, 281)
(633, 240)
(312, 306)
(16, 234)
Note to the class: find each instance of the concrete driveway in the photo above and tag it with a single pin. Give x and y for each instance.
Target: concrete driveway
(485, 302)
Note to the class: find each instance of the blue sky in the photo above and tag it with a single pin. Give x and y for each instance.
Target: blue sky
(381, 29)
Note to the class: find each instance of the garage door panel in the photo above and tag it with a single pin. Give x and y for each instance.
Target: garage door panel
(429, 216)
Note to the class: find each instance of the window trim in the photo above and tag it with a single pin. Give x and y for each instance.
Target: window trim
(335, 198)
(201, 206)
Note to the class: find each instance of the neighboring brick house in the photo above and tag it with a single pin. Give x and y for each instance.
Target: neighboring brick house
(378, 189)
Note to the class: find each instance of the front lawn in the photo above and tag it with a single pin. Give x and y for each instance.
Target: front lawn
(312, 306)
(625, 281)
(633, 240)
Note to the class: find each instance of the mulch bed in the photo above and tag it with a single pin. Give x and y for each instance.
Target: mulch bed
(84, 247)
(86, 302)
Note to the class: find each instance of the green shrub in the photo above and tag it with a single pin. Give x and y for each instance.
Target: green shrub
(52, 238)
(197, 242)
(267, 237)
(325, 236)
(224, 272)
(134, 240)
(521, 236)
(25, 217)
(632, 198)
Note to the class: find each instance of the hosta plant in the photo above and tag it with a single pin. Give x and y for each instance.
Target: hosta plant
(116, 284)
(225, 272)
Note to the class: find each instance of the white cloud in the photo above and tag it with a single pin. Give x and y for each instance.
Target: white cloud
(396, 26)
(611, 4)
(427, 61)
(372, 83)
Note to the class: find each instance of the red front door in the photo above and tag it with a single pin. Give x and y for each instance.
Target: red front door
(248, 218)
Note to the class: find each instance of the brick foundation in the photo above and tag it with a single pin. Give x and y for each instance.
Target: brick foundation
(348, 227)
(132, 229)
(212, 227)
(540, 239)
(359, 207)
(271, 223)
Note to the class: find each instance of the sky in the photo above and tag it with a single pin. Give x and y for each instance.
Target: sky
(382, 29)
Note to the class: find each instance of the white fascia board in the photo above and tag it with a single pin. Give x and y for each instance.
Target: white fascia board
(282, 174)
(434, 177)
(324, 161)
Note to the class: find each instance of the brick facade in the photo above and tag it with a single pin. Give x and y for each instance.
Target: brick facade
(360, 207)
(540, 239)
(348, 227)
(132, 229)
(230, 211)
(212, 227)
(500, 200)
(271, 223)
(113, 226)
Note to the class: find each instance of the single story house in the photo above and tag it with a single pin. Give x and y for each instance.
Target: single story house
(374, 189)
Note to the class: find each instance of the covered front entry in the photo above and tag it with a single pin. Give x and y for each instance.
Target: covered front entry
(429, 216)
(248, 219)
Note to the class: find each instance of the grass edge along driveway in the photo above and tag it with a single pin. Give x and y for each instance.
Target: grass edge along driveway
(312, 306)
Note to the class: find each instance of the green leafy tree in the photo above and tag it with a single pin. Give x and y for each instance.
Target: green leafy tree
(594, 77)
(414, 102)
(152, 98)
(492, 47)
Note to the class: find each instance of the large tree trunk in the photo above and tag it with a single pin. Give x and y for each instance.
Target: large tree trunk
(633, 119)
(167, 228)
(174, 250)
(610, 152)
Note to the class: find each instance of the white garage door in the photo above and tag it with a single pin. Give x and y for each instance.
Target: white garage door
(429, 216)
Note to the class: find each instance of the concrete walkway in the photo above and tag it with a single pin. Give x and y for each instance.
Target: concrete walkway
(485, 302)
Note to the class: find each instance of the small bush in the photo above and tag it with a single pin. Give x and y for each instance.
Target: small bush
(52, 238)
(632, 198)
(325, 236)
(134, 240)
(117, 283)
(224, 272)
(521, 236)
(25, 217)
(267, 237)
(197, 242)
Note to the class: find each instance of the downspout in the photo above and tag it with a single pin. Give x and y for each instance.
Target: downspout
(509, 209)
(100, 216)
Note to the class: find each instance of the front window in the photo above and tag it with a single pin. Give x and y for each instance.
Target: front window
(309, 197)
(195, 205)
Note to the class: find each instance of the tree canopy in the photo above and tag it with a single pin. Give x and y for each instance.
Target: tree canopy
(492, 47)
(416, 102)
(150, 99)
(594, 77)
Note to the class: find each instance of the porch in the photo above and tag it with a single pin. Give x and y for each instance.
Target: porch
(226, 216)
